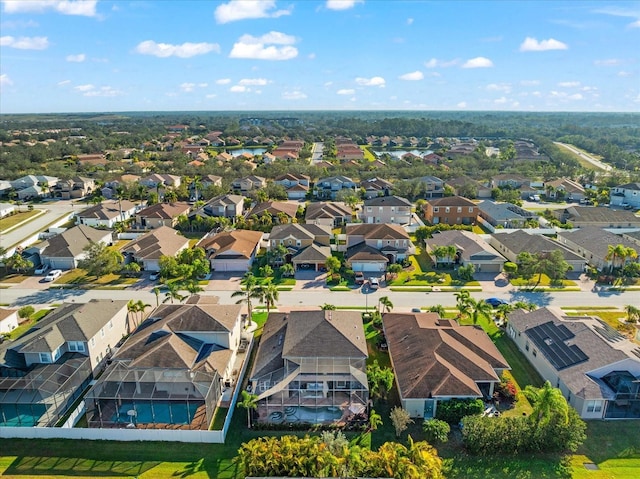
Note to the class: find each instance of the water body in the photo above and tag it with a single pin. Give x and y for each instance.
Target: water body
(400, 153)
(251, 151)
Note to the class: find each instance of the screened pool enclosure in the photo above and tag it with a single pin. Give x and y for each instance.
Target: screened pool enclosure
(153, 398)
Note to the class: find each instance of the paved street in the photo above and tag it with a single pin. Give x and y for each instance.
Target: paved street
(313, 297)
(53, 210)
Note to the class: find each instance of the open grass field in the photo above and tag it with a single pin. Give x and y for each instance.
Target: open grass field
(11, 221)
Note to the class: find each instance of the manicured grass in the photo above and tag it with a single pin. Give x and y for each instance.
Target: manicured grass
(79, 277)
(11, 221)
(368, 154)
(25, 326)
(544, 281)
(13, 278)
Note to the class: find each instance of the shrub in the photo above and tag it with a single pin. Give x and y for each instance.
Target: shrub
(507, 389)
(453, 410)
(436, 430)
(26, 311)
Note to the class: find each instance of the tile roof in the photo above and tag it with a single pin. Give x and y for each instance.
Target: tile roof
(313, 253)
(70, 243)
(163, 241)
(435, 357)
(364, 252)
(469, 244)
(597, 214)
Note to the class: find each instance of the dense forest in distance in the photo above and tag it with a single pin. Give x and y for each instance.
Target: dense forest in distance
(613, 136)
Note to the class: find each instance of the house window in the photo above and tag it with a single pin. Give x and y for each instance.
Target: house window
(76, 346)
(102, 333)
(594, 406)
(93, 341)
(56, 354)
(45, 358)
(447, 209)
(110, 324)
(298, 242)
(535, 352)
(436, 209)
(459, 209)
(526, 346)
(471, 209)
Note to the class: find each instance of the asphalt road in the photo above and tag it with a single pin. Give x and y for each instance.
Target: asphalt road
(402, 301)
(585, 156)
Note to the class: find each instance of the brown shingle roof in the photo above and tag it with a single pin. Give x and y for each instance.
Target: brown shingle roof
(434, 357)
(164, 241)
(241, 241)
(165, 210)
(377, 231)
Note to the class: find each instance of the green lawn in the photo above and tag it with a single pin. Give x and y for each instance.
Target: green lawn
(79, 277)
(13, 278)
(11, 221)
(544, 281)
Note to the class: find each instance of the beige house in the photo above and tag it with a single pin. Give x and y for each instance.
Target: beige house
(8, 320)
(106, 214)
(333, 214)
(371, 247)
(387, 209)
(147, 249)
(161, 214)
(232, 251)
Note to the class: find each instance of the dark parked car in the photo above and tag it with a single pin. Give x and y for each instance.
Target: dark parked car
(495, 302)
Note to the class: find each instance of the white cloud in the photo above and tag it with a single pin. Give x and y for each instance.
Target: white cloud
(478, 62)
(104, 91)
(530, 82)
(569, 84)
(311, 56)
(79, 58)
(5, 80)
(64, 82)
(238, 89)
(25, 43)
(409, 21)
(500, 101)
(84, 88)
(187, 87)
(256, 48)
(246, 9)
(293, 95)
(203, 85)
(86, 8)
(346, 91)
(435, 63)
(533, 45)
(223, 81)
(328, 83)
(503, 87)
(635, 24)
(576, 96)
(342, 4)
(373, 81)
(609, 62)
(211, 95)
(462, 104)
(622, 12)
(186, 50)
(253, 81)
(413, 76)
(624, 74)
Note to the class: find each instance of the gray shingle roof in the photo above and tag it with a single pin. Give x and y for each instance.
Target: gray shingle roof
(519, 241)
(70, 243)
(388, 201)
(163, 241)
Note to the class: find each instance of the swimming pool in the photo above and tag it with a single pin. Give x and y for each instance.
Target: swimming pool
(312, 414)
(158, 412)
(21, 415)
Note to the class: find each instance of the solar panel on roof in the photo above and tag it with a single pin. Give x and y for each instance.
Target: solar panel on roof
(553, 341)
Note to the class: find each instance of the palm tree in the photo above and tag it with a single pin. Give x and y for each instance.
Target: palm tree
(173, 293)
(249, 283)
(268, 294)
(156, 291)
(479, 308)
(250, 403)
(549, 404)
(287, 270)
(192, 287)
(438, 308)
(132, 308)
(141, 306)
(633, 313)
(385, 304)
(328, 307)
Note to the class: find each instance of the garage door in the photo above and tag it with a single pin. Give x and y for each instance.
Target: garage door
(369, 267)
(62, 263)
(230, 265)
(488, 268)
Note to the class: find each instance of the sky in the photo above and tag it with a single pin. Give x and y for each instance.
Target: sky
(101, 56)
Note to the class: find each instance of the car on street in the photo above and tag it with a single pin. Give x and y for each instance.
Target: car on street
(374, 283)
(154, 276)
(52, 275)
(495, 302)
(416, 310)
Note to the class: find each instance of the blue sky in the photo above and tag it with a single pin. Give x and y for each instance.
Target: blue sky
(90, 56)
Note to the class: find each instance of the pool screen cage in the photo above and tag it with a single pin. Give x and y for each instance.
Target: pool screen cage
(41, 396)
(153, 398)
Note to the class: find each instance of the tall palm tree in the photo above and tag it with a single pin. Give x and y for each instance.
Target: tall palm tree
(156, 291)
(438, 308)
(479, 308)
(250, 403)
(192, 287)
(268, 294)
(385, 303)
(173, 293)
(132, 308)
(633, 313)
(247, 292)
(549, 404)
(141, 306)
(328, 307)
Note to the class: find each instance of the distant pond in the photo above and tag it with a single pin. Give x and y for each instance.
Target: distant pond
(400, 153)
(251, 151)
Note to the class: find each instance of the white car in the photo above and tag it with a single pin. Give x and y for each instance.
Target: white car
(53, 275)
(42, 269)
(374, 283)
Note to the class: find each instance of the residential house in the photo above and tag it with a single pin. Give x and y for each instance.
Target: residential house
(74, 188)
(581, 216)
(45, 371)
(437, 359)
(31, 193)
(106, 214)
(565, 188)
(509, 180)
(157, 180)
(280, 211)
(204, 182)
(147, 249)
(506, 215)
(333, 214)
(7, 209)
(387, 209)
(297, 186)
(627, 194)
(5, 188)
(371, 247)
(227, 206)
(171, 372)
(65, 250)
(451, 210)
(297, 239)
(471, 249)
(161, 214)
(224, 157)
(328, 188)
(468, 187)
(311, 367)
(592, 243)
(596, 368)
(232, 251)
(510, 245)
(374, 187)
(249, 183)
(8, 320)
(42, 181)
(527, 151)
(432, 186)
